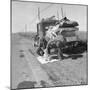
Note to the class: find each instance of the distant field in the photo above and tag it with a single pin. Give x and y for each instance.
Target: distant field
(29, 35)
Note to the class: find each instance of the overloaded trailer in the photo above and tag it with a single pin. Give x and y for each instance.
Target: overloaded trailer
(63, 40)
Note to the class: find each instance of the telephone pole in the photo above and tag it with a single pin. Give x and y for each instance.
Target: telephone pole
(62, 12)
(39, 14)
(57, 15)
(25, 27)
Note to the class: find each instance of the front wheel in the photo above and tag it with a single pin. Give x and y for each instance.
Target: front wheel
(40, 52)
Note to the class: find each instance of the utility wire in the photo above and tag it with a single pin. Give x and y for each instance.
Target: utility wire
(40, 12)
(46, 8)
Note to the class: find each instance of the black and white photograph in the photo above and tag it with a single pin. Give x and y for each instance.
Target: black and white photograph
(49, 44)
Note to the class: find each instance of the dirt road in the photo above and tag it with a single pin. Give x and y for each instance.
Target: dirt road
(38, 72)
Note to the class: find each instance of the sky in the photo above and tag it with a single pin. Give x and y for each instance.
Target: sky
(24, 14)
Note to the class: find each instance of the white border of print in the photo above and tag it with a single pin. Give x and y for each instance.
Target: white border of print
(5, 44)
